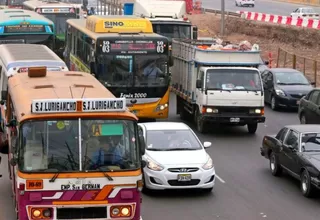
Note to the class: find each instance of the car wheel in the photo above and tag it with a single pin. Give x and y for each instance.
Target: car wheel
(303, 119)
(252, 128)
(274, 104)
(275, 167)
(306, 187)
(207, 190)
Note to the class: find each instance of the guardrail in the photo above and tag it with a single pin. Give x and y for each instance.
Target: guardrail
(215, 11)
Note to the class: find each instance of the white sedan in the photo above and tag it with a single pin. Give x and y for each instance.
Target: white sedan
(242, 3)
(175, 158)
(305, 12)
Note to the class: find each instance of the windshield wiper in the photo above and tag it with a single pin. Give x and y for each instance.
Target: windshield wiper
(156, 149)
(55, 176)
(282, 84)
(104, 171)
(174, 149)
(297, 84)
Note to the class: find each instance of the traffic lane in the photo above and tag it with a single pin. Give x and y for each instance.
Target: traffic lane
(262, 6)
(6, 202)
(249, 190)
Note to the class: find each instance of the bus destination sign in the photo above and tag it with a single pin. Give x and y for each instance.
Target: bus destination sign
(134, 47)
(24, 28)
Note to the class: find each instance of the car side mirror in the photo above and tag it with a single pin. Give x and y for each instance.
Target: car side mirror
(142, 144)
(207, 144)
(198, 84)
(291, 148)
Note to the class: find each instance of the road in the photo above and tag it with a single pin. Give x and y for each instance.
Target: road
(263, 6)
(246, 189)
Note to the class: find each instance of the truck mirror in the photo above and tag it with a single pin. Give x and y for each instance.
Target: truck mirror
(198, 84)
(194, 32)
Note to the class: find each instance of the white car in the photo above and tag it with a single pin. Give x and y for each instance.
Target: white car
(175, 158)
(243, 3)
(305, 12)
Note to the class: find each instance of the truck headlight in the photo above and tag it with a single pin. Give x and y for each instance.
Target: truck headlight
(256, 111)
(152, 165)
(209, 164)
(212, 110)
(279, 92)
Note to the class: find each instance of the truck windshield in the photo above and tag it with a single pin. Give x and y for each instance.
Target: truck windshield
(233, 79)
(54, 145)
(129, 70)
(173, 30)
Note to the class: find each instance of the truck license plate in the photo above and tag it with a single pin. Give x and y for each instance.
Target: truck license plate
(184, 177)
(234, 120)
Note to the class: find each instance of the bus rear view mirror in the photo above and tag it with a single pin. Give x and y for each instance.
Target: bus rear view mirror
(142, 144)
(4, 95)
(171, 61)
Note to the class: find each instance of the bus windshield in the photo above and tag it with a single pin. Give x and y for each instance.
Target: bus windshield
(133, 70)
(45, 39)
(173, 30)
(53, 146)
(60, 21)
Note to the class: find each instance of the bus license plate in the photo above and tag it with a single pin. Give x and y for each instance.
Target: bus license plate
(234, 120)
(184, 177)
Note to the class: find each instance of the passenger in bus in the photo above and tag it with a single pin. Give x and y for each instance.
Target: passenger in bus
(108, 153)
(152, 71)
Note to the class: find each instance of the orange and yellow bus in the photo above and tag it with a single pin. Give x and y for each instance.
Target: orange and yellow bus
(124, 55)
(74, 151)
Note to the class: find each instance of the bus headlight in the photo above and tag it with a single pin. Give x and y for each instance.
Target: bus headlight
(115, 211)
(125, 211)
(161, 107)
(121, 211)
(36, 212)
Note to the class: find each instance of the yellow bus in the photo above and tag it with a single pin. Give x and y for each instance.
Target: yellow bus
(74, 144)
(124, 55)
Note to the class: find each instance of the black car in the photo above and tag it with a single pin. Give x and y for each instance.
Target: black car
(284, 87)
(309, 108)
(295, 149)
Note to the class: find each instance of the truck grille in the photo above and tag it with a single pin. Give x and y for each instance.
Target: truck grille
(183, 170)
(239, 110)
(82, 213)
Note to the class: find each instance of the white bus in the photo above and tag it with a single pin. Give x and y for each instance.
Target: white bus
(17, 58)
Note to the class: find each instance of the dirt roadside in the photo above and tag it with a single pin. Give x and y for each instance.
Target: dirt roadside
(300, 41)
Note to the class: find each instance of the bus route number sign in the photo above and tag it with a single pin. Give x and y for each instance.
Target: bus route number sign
(24, 28)
(134, 47)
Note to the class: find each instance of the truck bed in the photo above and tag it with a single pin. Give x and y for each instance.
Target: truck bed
(193, 51)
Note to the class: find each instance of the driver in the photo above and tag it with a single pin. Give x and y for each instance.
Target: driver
(108, 153)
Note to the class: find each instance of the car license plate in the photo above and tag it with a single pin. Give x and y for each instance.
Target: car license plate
(234, 120)
(184, 177)
(298, 102)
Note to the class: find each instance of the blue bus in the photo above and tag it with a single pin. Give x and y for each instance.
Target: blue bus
(24, 26)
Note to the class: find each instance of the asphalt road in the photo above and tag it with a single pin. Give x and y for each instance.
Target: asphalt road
(263, 6)
(246, 189)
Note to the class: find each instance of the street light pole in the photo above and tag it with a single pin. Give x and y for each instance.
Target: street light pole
(222, 23)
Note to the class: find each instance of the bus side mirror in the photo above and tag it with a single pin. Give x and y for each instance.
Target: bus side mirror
(171, 61)
(12, 123)
(4, 95)
(194, 32)
(142, 144)
(198, 84)
(92, 68)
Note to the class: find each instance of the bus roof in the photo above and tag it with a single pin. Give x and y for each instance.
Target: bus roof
(11, 16)
(58, 86)
(80, 24)
(46, 4)
(28, 55)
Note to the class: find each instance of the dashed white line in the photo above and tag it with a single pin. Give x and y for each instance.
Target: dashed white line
(220, 179)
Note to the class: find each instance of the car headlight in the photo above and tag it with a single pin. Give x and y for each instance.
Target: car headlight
(209, 164)
(152, 165)
(279, 92)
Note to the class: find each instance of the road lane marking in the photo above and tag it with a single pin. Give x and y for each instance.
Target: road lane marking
(220, 179)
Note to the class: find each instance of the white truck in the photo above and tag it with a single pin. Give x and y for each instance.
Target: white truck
(168, 18)
(217, 86)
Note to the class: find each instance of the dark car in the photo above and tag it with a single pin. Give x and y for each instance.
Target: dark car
(284, 87)
(295, 149)
(309, 108)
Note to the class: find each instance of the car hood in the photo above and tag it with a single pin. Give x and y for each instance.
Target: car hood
(178, 157)
(295, 89)
(313, 158)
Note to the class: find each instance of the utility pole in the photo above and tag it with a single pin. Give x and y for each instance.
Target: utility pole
(222, 21)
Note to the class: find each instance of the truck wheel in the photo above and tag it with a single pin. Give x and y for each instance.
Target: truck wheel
(201, 125)
(275, 167)
(306, 186)
(252, 128)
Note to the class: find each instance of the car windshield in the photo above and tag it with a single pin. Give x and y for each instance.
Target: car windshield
(54, 145)
(128, 70)
(166, 140)
(291, 78)
(173, 31)
(310, 142)
(308, 10)
(233, 79)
